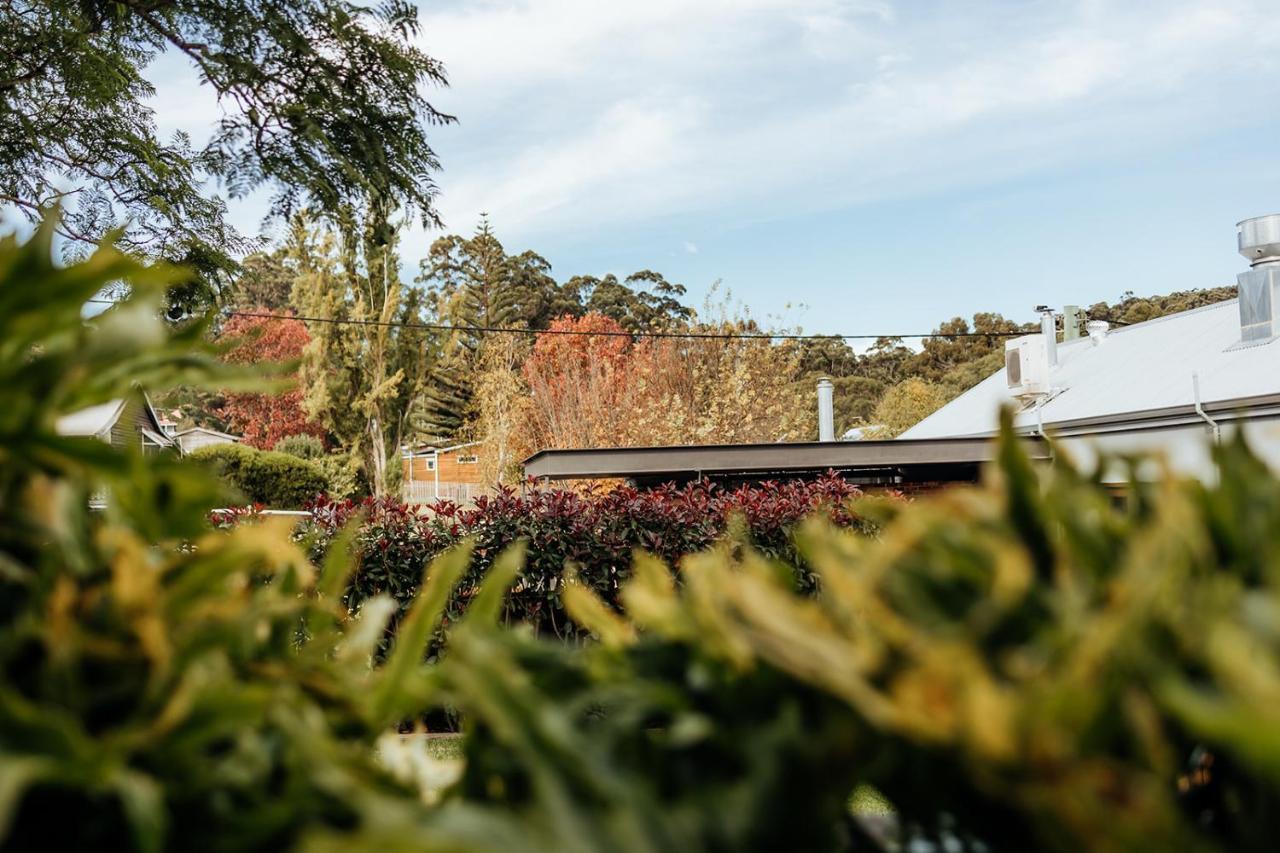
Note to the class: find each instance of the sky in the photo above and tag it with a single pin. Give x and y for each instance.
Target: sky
(851, 166)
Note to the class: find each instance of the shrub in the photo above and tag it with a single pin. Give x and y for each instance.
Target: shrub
(167, 687)
(303, 446)
(1022, 665)
(345, 474)
(597, 532)
(152, 697)
(1026, 665)
(276, 480)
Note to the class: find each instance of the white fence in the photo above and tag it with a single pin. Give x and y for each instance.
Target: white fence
(421, 492)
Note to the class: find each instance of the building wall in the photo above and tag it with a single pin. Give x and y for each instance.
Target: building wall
(126, 431)
(1185, 447)
(453, 468)
(421, 470)
(196, 440)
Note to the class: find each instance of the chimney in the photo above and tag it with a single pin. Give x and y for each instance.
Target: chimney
(826, 410)
(1259, 242)
(1049, 329)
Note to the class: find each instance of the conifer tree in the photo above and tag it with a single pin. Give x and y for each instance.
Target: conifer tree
(473, 283)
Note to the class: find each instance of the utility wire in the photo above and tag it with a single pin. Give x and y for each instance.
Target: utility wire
(445, 327)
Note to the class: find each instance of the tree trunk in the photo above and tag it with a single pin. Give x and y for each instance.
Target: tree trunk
(377, 457)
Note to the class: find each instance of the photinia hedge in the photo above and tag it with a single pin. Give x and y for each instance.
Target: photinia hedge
(596, 531)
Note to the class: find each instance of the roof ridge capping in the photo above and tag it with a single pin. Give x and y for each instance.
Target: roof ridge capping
(1149, 373)
(1117, 330)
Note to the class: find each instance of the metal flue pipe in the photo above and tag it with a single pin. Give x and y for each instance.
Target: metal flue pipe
(826, 410)
(1049, 328)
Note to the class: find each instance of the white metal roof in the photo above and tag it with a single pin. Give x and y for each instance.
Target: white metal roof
(1146, 366)
(95, 420)
(207, 431)
(427, 449)
(156, 438)
(98, 420)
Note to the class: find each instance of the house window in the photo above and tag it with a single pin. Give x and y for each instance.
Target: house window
(468, 460)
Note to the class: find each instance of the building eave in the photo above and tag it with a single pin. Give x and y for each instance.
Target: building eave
(1240, 408)
(756, 460)
(459, 446)
(207, 431)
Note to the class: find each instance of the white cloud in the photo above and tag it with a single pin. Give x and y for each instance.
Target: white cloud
(621, 149)
(690, 248)
(578, 115)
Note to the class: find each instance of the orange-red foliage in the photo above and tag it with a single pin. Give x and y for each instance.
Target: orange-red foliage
(613, 392)
(264, 419)
(577, 383)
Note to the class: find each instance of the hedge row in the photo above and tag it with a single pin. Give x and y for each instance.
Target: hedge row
(276, 480)
(597, 532)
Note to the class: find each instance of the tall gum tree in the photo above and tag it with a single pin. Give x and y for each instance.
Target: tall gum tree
(321, 103)
(351, 370)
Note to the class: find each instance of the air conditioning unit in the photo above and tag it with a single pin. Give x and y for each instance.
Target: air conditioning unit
(1026, 366)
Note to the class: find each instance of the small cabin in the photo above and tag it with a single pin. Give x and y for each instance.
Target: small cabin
(198, 437)
(449, 473)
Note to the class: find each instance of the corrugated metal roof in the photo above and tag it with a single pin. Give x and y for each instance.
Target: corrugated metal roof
(1146, 366)
(95, 420)
(207, 431)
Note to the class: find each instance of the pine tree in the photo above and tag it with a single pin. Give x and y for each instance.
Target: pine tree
(473, 282)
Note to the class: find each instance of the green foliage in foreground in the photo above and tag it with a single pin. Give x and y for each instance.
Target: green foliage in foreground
(1019, 666)
(272, 478)
(1027, 666)
(151, 694)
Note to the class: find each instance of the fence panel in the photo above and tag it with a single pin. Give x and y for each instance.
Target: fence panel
(421, 493)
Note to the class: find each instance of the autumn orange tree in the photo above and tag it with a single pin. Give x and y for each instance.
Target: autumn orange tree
(607, 390)
(263, 418)
(577, 383)
(717, 390)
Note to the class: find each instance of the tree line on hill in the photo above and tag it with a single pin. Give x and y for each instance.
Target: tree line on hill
(892, 386)
(385, 362)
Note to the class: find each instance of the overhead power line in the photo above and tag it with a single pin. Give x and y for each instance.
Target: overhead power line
(600, 333)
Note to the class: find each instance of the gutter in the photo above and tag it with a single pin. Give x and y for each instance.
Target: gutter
(1259, 406)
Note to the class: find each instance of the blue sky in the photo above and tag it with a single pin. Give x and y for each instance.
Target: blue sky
(859, 167)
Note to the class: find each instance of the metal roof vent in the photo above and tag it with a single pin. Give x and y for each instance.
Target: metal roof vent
(1097, 330)
(1259, 241)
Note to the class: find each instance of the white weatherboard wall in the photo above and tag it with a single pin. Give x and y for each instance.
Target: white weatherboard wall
(198, 437)
(1185, 448)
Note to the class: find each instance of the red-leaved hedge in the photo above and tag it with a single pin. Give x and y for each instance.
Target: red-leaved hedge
(596, 531)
